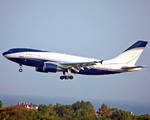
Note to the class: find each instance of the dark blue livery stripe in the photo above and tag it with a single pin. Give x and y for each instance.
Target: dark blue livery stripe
(137, 45)
(16, 50)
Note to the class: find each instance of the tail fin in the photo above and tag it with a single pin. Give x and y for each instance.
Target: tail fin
(130, 55)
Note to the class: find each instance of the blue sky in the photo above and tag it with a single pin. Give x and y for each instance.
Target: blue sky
(96, 29)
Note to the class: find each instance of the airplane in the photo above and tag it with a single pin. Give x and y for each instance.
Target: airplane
(46, 61)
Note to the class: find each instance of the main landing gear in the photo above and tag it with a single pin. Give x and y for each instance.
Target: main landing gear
(66, 77)
(20, 70)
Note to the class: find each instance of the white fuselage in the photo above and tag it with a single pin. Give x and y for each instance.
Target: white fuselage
(45, 61)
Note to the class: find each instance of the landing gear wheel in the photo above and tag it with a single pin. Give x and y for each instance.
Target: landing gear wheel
(20, 70)
(71, 77)
(61, 77)
(66, 77)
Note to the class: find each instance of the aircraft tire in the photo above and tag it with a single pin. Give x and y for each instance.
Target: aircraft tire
(71, 77)
(61, 77)
(66, 77)
(20, 70)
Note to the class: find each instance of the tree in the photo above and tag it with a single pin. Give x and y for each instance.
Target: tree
(89, 107)
(81, 114)
(63, 111)
(121, 115)
(1, 104)
(15, 113)
(84, 105)
(51, 107)
(76, 105)
(105, 110)
(47, 112)
(143, 117)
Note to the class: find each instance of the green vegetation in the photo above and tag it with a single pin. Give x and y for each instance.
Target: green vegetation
(77, 111)
(1, 104)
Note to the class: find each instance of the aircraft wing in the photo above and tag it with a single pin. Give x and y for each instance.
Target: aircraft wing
(76, 66)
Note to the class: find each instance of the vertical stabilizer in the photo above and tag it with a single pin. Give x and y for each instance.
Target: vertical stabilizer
(130, 55)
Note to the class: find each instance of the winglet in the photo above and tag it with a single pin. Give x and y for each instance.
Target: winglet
(101, 61)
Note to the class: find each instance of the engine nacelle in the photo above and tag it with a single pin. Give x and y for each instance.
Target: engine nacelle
(40, 69)
(51, 67)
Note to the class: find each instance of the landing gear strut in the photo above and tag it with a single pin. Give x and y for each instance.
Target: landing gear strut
(20, 70)
(66, 77)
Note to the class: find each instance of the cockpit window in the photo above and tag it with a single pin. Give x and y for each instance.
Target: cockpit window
(10, 51)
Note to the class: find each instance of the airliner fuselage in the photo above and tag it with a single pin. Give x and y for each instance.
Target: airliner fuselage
(46, 61)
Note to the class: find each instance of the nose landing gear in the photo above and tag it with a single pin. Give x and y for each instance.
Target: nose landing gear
(20, 70)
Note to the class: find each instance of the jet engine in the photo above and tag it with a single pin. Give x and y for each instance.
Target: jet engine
(49, 67)
(40, 69)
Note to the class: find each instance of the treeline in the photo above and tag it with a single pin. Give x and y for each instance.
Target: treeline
(77, 111)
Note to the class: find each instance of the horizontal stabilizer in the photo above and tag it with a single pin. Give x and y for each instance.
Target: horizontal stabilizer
(134, 68)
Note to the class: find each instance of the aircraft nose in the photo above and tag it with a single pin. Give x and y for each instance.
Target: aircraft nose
(4, 53)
